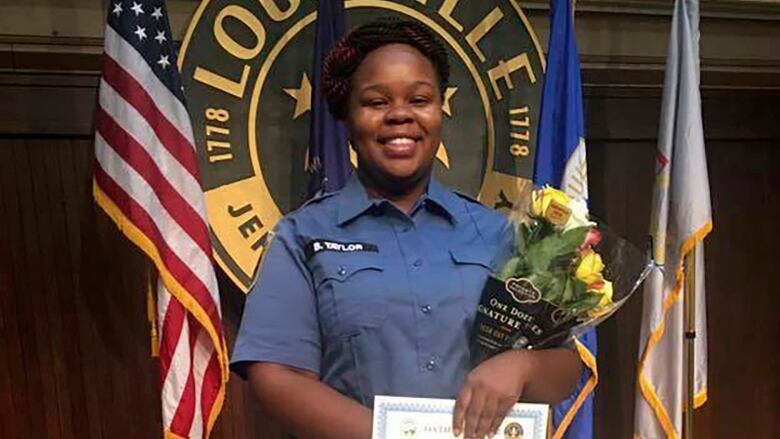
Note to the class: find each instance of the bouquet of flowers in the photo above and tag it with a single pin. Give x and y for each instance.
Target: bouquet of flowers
(566, 274)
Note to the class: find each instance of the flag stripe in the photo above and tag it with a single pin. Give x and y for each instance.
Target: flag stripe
(180, 271)
(127, 117)
(136, 156)
(179, 146)
(186, 274)
(166, 230)
(210, 393)
(173, 326)
(175, 379)
(184, 415)
(168, 105)
(200, 360)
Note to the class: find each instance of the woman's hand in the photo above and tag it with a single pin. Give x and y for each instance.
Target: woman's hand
(489, 392)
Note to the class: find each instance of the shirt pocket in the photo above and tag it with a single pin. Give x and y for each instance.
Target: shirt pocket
(350, 291)
(473, 265)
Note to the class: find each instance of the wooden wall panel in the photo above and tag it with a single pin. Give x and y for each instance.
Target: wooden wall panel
(744, 163)
(74, 340)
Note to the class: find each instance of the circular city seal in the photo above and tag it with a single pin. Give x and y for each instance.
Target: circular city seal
(246, 68)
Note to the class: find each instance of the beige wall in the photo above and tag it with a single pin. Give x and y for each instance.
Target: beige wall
(736, 35)
(622, 45)
(72, 18)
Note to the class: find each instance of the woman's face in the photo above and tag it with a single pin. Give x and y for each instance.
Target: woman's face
(394, 116)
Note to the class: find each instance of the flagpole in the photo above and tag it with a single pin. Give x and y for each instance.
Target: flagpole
(689, 310)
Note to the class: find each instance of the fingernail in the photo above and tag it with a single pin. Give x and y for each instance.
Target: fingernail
(456, 431)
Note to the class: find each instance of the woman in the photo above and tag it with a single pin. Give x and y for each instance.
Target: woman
(373, 289)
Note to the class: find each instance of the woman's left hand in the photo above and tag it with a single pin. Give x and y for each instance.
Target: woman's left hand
(489, 392)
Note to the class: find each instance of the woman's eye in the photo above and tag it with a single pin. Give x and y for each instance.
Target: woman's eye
(420, 100)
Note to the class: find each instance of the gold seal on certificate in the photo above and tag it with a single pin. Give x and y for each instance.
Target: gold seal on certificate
(427, 418)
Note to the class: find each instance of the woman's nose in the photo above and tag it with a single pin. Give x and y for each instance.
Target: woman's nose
(398, 114)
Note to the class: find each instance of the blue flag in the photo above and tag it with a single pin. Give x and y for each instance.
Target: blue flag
(561, 162)
(328, 159)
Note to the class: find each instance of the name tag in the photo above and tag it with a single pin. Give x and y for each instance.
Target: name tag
(320, 245)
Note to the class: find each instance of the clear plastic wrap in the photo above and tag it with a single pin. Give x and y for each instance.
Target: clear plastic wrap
(567, 273)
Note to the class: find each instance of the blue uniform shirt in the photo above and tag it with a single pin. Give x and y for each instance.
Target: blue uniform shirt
(372, 300)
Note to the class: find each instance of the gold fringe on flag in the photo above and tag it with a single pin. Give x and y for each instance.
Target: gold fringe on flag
(151, 312)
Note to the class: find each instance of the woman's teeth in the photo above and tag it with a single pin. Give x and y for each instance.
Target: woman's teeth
(401, 141)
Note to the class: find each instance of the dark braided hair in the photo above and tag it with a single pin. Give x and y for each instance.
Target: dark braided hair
(345, 57)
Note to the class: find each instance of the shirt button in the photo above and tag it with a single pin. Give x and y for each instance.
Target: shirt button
(342, 270)
(417, 262)
(426, 309)
(431, 365)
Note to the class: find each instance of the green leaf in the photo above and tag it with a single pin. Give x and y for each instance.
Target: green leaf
(575, 237)
(552, 287)
(510, 268)
(583, 303)
(568, 290)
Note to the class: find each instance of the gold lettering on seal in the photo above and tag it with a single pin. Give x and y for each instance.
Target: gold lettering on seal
(482, 29)
(233, 47)
(505, 68)
(252, 227)
(447, 6)
(276, 13)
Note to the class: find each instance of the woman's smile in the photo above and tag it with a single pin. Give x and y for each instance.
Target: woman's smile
(400, 147)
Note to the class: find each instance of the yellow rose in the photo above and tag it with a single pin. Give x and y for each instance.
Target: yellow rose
(590, 267)
(542, 198)
(606, 299)
(606, 293)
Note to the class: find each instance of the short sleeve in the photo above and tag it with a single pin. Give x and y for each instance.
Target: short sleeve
(280, 321)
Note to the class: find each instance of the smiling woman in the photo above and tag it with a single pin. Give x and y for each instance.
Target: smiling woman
(395, 121)
(373, 289)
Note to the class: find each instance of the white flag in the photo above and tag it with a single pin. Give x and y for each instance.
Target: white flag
(681, 218)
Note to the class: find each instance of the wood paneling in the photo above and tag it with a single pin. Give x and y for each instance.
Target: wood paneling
(744, 163)
(74, 341)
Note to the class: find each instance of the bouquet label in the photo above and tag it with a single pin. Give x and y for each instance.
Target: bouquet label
(523, 290)
(511, 314)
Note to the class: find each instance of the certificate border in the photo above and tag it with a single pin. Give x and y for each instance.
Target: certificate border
(385, 404)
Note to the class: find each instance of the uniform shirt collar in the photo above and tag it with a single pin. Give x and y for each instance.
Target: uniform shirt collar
(354, 200)
(443, 200)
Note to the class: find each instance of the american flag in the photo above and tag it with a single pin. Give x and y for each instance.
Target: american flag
(146, 179)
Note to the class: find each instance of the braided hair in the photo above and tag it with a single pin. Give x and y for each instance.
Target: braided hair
(346, 55)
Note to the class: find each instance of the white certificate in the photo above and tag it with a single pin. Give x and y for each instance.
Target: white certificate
(427, 418)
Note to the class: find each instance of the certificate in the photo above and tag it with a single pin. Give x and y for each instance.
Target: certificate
(426, 418)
